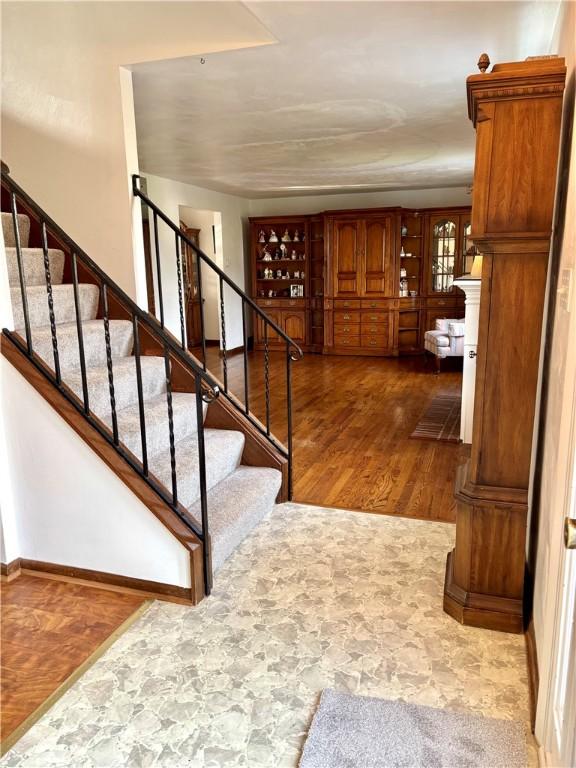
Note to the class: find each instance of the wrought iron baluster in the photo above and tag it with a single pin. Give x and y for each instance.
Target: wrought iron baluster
(267, 376)
(223, 335)
(245, 352)
(80, 333)
(158, 269)
(206, 543)
(201, 300)
(21, 272)
(171, 425)
(109, 363)
(51, 315)
(138, 365)
(180, 292)
(289, 415)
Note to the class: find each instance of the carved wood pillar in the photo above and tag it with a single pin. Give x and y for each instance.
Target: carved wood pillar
(516, 110)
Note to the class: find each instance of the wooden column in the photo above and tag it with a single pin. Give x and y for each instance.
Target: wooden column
(516, 110)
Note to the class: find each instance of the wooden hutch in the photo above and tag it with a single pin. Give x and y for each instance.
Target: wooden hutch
(516, 110)
(363, 281)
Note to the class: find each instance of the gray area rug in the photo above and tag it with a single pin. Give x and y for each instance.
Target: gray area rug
(361, 732)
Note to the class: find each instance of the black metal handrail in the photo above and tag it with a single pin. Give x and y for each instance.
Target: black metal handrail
(293, 352)
(206, 386)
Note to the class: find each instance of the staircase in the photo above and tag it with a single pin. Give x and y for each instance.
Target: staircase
(137, 386)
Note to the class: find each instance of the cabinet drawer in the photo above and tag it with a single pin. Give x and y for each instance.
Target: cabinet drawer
(346, 303)
(449, 301)
(378, 342)
(375, 303)
(279, 302)
(374, 317)
(346, 330)
(410, 303)
(341, 340)
(378, 329)
(346, 317)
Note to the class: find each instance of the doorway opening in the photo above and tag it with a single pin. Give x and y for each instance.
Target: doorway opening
(204, 228)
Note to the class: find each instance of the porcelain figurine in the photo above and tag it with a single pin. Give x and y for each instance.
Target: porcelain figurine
(286, 237)
(262, 237)
(296, 236)
(279, 274)
(266, 255)
(287, 275)
(283, 251)
(296, 275)
(404, 230)
(277, 254)
(294, 256)
(273, 237)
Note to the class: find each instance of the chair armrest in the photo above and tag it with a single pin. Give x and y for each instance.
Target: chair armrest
(455, 329)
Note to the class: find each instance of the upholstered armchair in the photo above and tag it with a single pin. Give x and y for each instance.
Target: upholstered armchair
(447, 340)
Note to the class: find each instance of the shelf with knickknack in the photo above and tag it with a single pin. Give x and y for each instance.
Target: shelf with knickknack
(410, 258)
(280, 274)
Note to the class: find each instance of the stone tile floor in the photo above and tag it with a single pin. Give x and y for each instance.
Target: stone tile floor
(314, 598)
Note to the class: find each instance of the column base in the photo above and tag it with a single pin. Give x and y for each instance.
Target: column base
(472, 609)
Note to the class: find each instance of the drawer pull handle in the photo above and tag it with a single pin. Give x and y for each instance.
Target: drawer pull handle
(346, 303)
(373, 317)
(373, 304)
(346, 317)
(373, 343)
(346, 330)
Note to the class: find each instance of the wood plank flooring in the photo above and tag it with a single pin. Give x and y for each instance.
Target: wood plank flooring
(352, 419)
(48, 629)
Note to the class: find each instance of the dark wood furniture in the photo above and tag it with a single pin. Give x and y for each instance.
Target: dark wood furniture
(190, 267)
(516, 110)
(374, 279)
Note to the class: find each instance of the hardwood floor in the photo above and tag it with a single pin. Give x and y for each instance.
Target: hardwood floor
(48, 630)
(352, 420)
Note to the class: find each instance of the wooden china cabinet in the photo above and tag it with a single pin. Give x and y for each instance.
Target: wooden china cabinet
(374, 279)
(516, 110)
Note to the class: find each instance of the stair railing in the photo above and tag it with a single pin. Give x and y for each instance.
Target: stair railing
(291, 350)
(206, 388)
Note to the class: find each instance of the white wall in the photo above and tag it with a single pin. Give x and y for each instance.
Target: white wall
(9, 542)
(204, 221)
(170, 196)
(67, 112)
(555, 467)
(72, 509)
(409, 198)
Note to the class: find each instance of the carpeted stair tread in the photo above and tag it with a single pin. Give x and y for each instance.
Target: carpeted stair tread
(156, 421)
(33, 261)
(236, 505)
(223, 449)
(8, 230)
(125, 383)
(94, 343)
(64, 306)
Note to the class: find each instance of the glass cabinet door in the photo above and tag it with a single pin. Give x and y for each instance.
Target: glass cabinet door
(444, 251)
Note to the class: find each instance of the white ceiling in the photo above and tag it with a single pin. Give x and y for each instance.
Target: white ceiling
(354, 96)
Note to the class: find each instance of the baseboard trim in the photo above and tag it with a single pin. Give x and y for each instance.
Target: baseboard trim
(10, 571)
(102, 580)
(533, 673)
